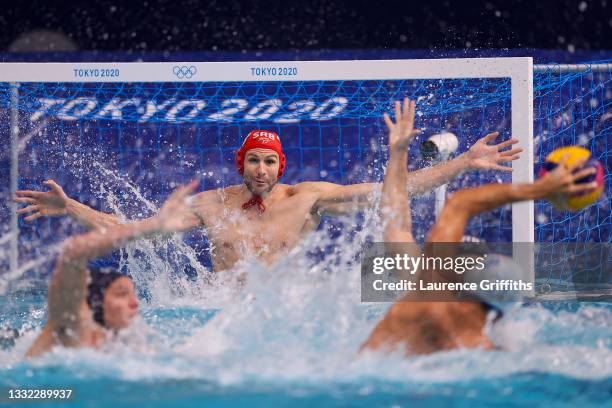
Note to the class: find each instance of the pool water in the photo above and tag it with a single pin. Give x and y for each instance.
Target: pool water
(290, 337)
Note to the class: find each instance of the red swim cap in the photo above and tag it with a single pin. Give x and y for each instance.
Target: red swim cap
(261, 139)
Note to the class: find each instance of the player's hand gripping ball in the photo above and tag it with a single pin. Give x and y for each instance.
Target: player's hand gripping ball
(577, 201)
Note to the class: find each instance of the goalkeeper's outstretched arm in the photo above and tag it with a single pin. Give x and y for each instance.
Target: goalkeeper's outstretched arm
(55, 202)
(485, 154)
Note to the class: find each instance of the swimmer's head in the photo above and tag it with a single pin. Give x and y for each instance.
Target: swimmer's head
(112, 298)
(261, 167)
(498, 269)
(261, 161)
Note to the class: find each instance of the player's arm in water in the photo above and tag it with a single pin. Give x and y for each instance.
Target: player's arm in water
(426, 326)
(68, 287)
(338, 199)
(55, 202)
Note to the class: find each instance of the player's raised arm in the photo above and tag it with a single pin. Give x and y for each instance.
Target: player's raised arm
(467, 203)
(464, 204)
(394, 202)
(69, 282)
(55, 202)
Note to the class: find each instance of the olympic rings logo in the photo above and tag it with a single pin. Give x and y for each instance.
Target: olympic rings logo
(184, 72)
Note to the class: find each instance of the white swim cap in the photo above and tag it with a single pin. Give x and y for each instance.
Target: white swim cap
(502, 283)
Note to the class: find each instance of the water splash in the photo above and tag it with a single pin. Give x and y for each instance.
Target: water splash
(299, 321)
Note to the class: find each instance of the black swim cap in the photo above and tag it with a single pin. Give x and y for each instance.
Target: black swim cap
(99, 280)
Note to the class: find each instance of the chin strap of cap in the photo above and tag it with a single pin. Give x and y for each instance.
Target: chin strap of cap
(255, 200)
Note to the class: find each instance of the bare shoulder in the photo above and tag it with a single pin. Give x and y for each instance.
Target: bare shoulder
(214, 196)
(313, 186)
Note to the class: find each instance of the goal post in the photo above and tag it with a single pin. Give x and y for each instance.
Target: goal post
(67, 93)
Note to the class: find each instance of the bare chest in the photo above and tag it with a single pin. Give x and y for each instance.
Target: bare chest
(233, 230)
